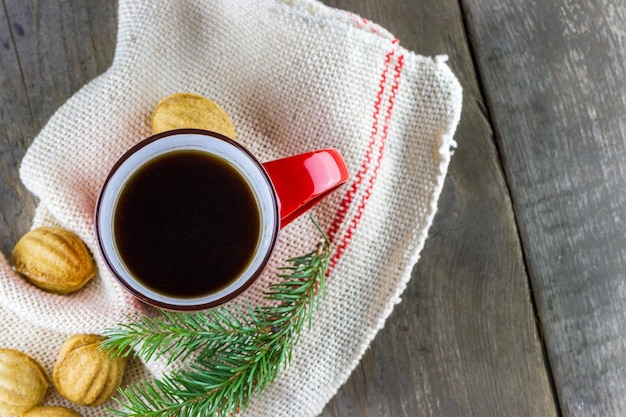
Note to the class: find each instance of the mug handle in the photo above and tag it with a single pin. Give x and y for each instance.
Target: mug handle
(301, 181)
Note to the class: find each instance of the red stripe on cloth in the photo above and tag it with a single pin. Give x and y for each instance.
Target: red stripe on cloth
(362, 23)
(355, 20)
(367, 161)
(358, 179)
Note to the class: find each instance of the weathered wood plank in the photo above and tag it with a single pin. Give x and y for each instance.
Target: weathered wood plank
(464, 341)
(13, 99)
(58, 47)
(16, 204)
(555, 78)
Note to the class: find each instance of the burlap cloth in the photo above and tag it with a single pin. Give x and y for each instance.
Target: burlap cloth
(294, 76)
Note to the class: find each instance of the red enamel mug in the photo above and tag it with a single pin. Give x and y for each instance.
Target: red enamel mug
(188, 219)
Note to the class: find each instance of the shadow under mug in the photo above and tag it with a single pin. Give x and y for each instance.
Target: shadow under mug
(281, 190)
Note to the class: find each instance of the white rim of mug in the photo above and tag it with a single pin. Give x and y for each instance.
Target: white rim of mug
(187, 139)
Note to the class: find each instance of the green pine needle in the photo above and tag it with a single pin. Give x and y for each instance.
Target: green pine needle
(230, 354)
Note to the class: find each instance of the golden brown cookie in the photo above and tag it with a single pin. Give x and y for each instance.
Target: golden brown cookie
(51, 411)
(86, 374)
(23, 382)
(54, 259)
(186, 110)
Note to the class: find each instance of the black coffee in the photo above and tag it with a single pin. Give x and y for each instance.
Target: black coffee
(186, 224)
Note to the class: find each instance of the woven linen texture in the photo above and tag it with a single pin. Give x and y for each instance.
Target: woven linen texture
(294, 76)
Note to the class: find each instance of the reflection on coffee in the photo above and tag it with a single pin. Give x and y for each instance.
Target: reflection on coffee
(186, 224)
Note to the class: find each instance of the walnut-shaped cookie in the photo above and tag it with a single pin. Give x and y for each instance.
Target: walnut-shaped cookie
(187, 110)
(50, 411)
(53, 259)
(86, 374)
(23, 382)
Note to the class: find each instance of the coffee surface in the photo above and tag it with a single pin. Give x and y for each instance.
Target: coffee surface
(186, 224)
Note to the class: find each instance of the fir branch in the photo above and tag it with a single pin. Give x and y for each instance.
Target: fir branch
(236, 353)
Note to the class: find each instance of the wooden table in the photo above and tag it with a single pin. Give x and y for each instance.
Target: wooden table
(517, 305)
